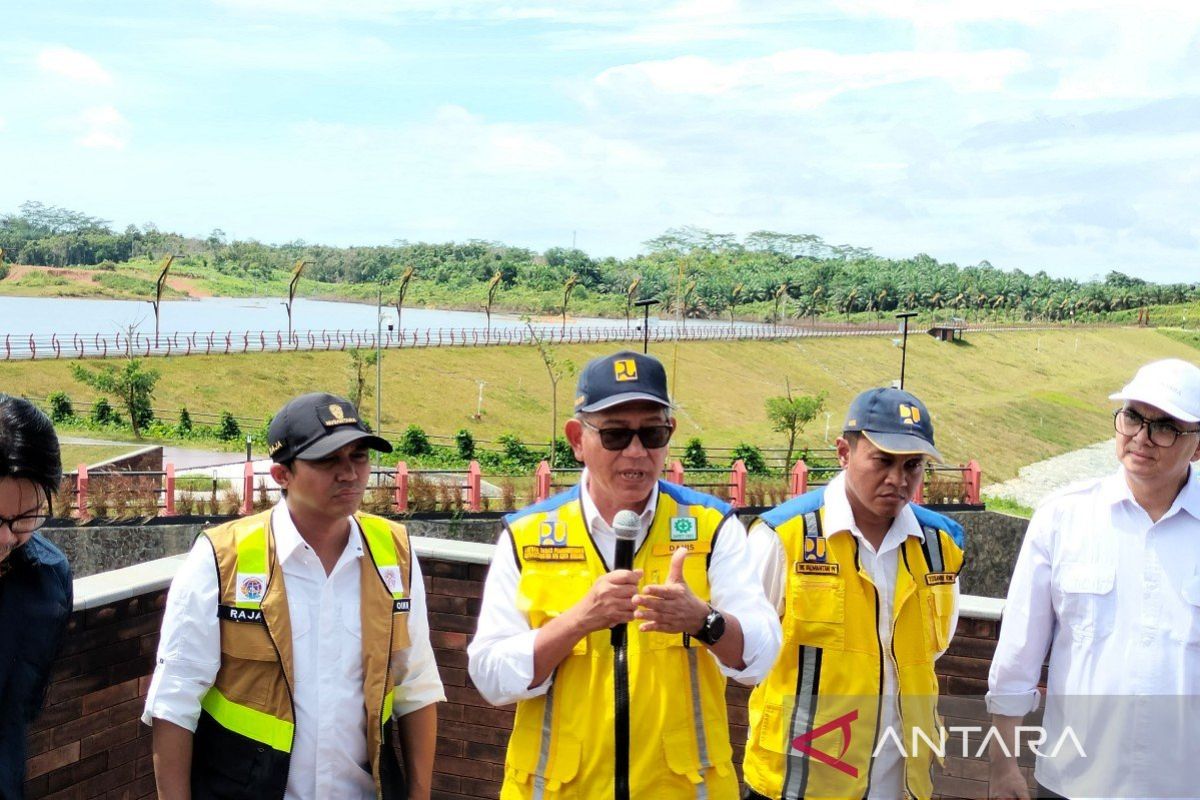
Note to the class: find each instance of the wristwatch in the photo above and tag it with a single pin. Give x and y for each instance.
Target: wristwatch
(713, 628)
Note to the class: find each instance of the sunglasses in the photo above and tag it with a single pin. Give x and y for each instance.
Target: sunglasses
(652, 437)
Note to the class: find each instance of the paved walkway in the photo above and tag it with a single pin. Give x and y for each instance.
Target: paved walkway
(1037, 481)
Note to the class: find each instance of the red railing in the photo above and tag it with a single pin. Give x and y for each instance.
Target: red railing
(155, 492)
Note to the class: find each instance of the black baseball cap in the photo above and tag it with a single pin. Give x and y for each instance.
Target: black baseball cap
(314, 425)
(893, 420)
(621, 378)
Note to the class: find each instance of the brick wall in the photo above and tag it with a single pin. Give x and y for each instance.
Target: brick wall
(88, 742)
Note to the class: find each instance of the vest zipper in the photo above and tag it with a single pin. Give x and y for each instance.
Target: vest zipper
(383, 723)
(879, 692)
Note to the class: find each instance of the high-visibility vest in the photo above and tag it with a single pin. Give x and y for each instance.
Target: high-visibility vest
(667, 734)
(243, 742)
(814, 721)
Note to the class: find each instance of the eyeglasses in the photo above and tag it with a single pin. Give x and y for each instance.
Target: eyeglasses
(26, 523)
(1128, 422)
(651, 437)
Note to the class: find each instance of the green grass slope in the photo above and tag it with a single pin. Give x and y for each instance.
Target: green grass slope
(1006, 399)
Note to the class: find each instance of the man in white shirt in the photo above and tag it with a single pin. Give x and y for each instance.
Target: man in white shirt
(293, 638)
(1108, 582)
(619, 673)
(866, 585)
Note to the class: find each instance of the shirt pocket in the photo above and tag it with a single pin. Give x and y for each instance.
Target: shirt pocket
(1086, 604)
(349, 630)
(1188, 629)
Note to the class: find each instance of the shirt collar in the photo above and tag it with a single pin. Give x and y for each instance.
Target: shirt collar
(839, 518)
(597, 522)
(1116, 491)
(288, 539)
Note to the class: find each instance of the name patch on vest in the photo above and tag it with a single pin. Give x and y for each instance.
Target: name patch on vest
(813, 568)
(535, 552)
(691, 547)
(235, 614)
(939, 578)
(401, 605)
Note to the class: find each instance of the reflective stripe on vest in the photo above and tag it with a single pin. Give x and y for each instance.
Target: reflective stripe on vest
(387, 561)
(252, 567)
(256, 725)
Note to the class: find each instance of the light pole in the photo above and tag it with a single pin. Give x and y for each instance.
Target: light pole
(378, 368)
(645, 304)
(903, 316)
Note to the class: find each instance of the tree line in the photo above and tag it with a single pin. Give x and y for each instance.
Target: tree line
(691, 271)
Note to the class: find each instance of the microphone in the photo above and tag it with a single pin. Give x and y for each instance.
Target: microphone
(627, 525)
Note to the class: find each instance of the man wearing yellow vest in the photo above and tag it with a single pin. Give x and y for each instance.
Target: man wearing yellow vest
(866, 585)
(292, 638)
(639, 711)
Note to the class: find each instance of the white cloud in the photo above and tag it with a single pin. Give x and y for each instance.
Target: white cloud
(73, 65)
(103, 128)
(803, 78)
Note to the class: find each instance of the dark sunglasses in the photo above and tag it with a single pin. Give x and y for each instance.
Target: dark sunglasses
(652, 437)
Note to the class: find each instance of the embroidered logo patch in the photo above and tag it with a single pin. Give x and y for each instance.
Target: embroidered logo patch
(625, 369)
(815, 549)
(250, 587)
(940, 578)
(910, 415)
(391, 577)
(683, 529)
(552, 534)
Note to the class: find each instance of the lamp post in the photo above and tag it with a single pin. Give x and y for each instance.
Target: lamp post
(379, 367)
(903, 316)
(645, 305)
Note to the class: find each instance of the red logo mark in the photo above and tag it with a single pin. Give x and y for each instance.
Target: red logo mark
(842, 723)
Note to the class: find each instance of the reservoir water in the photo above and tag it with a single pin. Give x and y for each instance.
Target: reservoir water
(42, 316)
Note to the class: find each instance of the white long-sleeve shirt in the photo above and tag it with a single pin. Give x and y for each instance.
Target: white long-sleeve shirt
(1115, 598)
(329, 756)
(501, 654)
(771, 562)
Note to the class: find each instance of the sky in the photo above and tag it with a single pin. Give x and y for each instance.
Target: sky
(1060, 136)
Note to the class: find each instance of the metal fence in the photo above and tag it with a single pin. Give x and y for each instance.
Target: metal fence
(19, 347)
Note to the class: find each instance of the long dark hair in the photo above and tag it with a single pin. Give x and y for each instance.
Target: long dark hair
(29, 446)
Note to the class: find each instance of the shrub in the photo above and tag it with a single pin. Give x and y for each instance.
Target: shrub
(564, 456)
(752, 457)
(694, 455)
(228, 428)
(107, 266)
(465, 443)
(414, 442)
(61, 409)
(516, 452)
(102, 412)
(185, 421)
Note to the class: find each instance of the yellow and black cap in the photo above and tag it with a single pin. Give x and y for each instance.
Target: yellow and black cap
(314, 425)
(893, 420)
(621, 378)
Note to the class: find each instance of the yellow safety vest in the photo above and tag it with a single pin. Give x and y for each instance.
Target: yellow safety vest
(243, 741)
(814, 721)
(568, 743)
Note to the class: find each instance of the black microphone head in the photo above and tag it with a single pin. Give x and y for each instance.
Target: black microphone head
(627, 525)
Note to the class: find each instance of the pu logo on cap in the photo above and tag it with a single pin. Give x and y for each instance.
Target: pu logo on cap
(625, 369)
(910, 415)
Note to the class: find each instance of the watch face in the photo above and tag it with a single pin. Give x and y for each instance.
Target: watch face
(714, 628)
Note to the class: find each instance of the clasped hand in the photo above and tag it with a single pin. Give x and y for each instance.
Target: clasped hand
(669, 607)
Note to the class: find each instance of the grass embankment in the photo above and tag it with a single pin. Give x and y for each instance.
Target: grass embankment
(1005, 399)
